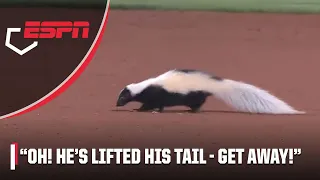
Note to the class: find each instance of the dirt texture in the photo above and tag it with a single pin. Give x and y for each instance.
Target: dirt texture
(279, 53)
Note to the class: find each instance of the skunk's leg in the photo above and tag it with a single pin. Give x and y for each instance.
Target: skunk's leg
(195, 107)
(195, 100)
(145, 107)
(160, 109)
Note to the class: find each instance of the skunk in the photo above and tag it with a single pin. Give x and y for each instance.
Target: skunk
(190, 88)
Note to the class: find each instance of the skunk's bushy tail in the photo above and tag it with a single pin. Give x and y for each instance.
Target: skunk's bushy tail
(248, 98)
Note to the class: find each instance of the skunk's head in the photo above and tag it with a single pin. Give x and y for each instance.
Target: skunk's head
(125, 97)
(132, 91)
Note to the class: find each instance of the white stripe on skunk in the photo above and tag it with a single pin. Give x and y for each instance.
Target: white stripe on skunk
(239, 95)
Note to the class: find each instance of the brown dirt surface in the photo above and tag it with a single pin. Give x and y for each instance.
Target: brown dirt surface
(279, 53)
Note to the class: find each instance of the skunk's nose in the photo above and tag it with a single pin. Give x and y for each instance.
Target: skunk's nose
(120, 103)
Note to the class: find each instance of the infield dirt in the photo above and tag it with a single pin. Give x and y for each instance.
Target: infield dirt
(279, 53)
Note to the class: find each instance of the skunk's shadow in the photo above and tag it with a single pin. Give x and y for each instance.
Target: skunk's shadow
(178, 111)
(201, 111)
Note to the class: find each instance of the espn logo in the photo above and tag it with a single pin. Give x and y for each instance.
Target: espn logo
(48, 30)
(55, 29)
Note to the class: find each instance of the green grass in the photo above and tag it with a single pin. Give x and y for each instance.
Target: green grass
(280, 6)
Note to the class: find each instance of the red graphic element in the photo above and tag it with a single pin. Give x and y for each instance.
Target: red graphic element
(16, 153)
(56, 92)
(55, 29)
